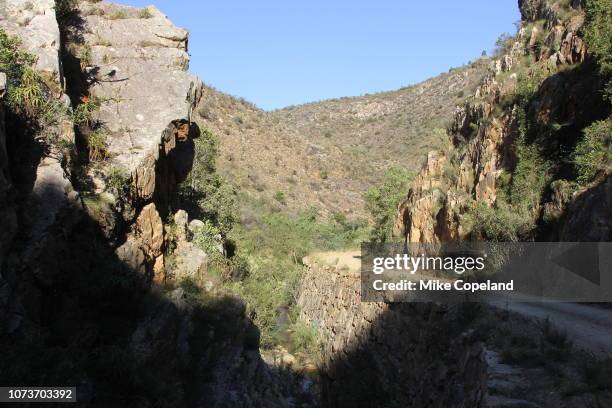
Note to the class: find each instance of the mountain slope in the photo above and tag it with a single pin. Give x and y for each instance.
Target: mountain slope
(327, 154)
(528, 156)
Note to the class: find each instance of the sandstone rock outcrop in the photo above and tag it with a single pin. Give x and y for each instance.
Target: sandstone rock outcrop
(137, 68)
(72, 288)
(35, 25)
(130, 58)
(484, 129)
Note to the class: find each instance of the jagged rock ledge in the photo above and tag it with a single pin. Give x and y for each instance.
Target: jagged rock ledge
(468, 171)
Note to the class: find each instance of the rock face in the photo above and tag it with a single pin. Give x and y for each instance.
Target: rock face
(137, 69)
(131, 57)
(392, 355)
(72, 263)
(35, 24)
(8, 215)
(35, 190)
(484, 130)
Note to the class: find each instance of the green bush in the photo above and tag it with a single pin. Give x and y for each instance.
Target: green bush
(593, 153)
(29, 93)
(598, 32)
(304, 337)
(205, 194)
(83, 113)
(219, 204)
(118, 180)
(207, 238)
(529, 178)
(598, 36)
(206, 151)
(25, 88)
(503, 44)
(501, 223)
(381, 202)
(280, 197)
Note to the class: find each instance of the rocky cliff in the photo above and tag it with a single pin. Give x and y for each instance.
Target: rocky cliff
(509, 168)
(36, 190)
(136, 68)
(90, 159)
(391, 355)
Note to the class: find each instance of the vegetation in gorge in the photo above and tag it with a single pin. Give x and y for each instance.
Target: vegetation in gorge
(265, 245)
(205, 194)
(598, 35)
(274, 244)
(28, 95)
(513, 217)
(593, 153)
(548, 152)
(382, 201)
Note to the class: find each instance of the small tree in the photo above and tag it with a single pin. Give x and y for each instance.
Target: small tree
(593, 153)
(382, 202)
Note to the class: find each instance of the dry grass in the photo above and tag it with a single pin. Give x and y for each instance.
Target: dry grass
(327, 154)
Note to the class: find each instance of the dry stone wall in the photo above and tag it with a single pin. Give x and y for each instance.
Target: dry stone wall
(388, 355)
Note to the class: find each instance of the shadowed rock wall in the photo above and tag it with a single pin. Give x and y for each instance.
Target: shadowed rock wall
(389, 355)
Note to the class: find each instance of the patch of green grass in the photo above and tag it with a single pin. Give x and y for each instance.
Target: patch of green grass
(304, 337)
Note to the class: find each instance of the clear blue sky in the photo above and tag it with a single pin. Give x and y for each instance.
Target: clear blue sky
(282, 52)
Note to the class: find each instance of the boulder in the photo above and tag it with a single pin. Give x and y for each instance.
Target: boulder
(149, 230)
(181, 219)
(195, 225)
(132, 255)
(190, 262)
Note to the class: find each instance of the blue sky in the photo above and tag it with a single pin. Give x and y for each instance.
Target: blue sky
(282, 52)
